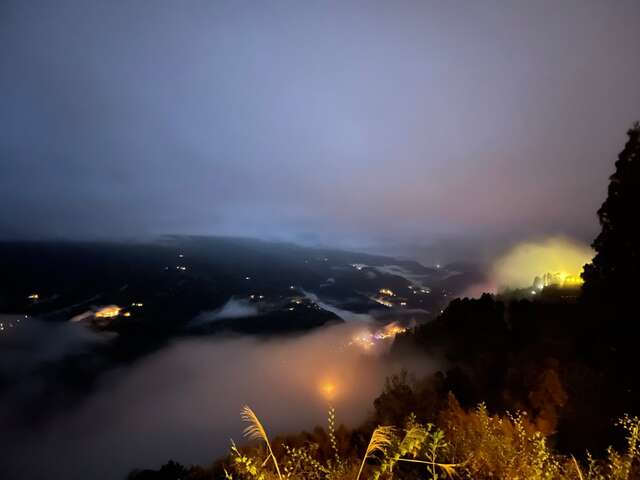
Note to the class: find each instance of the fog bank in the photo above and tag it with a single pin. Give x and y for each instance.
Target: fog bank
(183, 403)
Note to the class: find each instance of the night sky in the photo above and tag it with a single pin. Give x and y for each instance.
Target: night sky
(343, 123)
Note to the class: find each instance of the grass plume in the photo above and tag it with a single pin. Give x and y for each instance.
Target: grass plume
(381, 438)
(467, 444)
(256, 431)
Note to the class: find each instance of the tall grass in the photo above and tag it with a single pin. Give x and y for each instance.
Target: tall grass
(381, 439)
(255, 431)
(469, 445)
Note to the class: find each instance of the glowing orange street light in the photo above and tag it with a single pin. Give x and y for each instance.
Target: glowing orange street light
(328, 389)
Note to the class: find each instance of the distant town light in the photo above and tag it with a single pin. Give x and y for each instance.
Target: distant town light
(367, 340)
(109, 311)
(382, 301)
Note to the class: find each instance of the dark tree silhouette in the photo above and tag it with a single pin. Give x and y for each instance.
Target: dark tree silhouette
(613, 273)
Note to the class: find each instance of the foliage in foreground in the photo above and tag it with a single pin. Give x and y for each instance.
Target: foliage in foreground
(468, 445)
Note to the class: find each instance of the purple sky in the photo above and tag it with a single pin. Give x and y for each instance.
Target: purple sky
(347, 123)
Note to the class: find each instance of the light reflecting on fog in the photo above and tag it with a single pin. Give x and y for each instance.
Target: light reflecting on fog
(183, 402)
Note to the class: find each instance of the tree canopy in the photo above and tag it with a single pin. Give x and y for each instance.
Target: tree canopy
(616, 266)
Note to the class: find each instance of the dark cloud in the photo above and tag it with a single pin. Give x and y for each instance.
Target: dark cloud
(334, 122)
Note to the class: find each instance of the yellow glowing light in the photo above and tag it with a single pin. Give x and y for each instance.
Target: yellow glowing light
(559, 279)
(328, 389)
(108, 312)
(127, 314)
(391, 330)
(367, 340)
(364, 340)
(384, 302)
(386, 291)
(560, 258)
(34, 296)
(572, 281)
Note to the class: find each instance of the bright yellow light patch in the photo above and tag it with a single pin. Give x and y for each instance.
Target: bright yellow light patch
(392, 329)
(108, 312)
(328, 389)
(363, 339)
(572, 281)
(558, 259)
